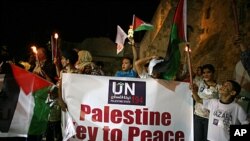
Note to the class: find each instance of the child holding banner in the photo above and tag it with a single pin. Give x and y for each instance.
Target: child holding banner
(68, 60)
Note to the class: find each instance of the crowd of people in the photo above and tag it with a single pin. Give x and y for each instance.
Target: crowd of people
(209, 96)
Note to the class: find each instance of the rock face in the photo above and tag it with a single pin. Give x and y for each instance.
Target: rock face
(211, 27)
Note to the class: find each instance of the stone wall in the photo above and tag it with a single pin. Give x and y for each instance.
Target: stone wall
(211, 27)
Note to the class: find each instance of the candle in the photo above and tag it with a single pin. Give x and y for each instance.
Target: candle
(34, 49)
(56, 44)
(188, 50)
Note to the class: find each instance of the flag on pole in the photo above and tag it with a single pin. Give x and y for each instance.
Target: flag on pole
(24, 111)
(139, 24)
(170, 66)
(120, 39)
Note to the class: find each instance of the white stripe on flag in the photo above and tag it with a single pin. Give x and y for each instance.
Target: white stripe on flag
(22, 116)
(120, 39)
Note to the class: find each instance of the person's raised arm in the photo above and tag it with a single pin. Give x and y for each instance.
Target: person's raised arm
(245, 53)
(134, 53)
(139, 64)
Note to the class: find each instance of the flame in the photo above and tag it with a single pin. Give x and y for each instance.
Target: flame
(34, 49)
(56, 36)
(187, 49)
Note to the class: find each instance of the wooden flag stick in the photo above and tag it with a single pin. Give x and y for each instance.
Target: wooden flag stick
(236, 23)
(188, 50)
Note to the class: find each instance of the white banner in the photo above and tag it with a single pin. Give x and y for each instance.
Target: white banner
(132, 109)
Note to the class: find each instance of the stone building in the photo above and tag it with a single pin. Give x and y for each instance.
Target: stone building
(211, 25)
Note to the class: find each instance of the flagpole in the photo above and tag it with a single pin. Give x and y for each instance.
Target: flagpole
(236, 24)
(52, 47)
(188, 50)
(133, 20)
(187, 44)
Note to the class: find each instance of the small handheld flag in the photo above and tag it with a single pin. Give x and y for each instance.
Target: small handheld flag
(120, 39)
(139, 24)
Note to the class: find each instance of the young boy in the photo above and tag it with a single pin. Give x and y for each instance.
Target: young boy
(223, 111)
(128, 69)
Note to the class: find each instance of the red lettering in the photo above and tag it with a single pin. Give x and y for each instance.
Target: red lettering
(81, 132)
(146, 135)
(145, 116)
(133, 132)
(128, 117)
(106, 113)
(169, 134)
(138, 116)
(85, 109)
(154, 118)
(97, 115)
(116, 116)
(92, 134)
(116, 135)
(179, 136)
(158, 135)
(166, 119)
(106, 133)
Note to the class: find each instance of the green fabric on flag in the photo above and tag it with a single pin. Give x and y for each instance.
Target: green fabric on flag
(171, 64)
(139, 24)
(39, 120)
(144, 27)
(175, 55)
(26, 96)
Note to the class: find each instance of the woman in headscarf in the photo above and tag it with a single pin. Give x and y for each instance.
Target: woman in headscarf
(85, 64)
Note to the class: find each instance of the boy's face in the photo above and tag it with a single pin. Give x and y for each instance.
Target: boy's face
(226, 89)
(126, 65)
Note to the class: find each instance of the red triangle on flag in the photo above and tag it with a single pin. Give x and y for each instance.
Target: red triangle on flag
(28, 81)
(137, 22)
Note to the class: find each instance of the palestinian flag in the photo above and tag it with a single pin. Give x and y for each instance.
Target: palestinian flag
(139, 24)
(23, 104)
(170, 66)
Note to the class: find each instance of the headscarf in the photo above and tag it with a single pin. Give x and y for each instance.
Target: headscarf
(84, 59)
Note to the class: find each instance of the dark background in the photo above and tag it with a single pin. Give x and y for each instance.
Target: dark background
(25, 23)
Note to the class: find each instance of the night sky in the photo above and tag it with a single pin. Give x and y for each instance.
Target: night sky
(24, 23)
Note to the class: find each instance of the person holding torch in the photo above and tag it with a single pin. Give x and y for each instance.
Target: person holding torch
(44, 67)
